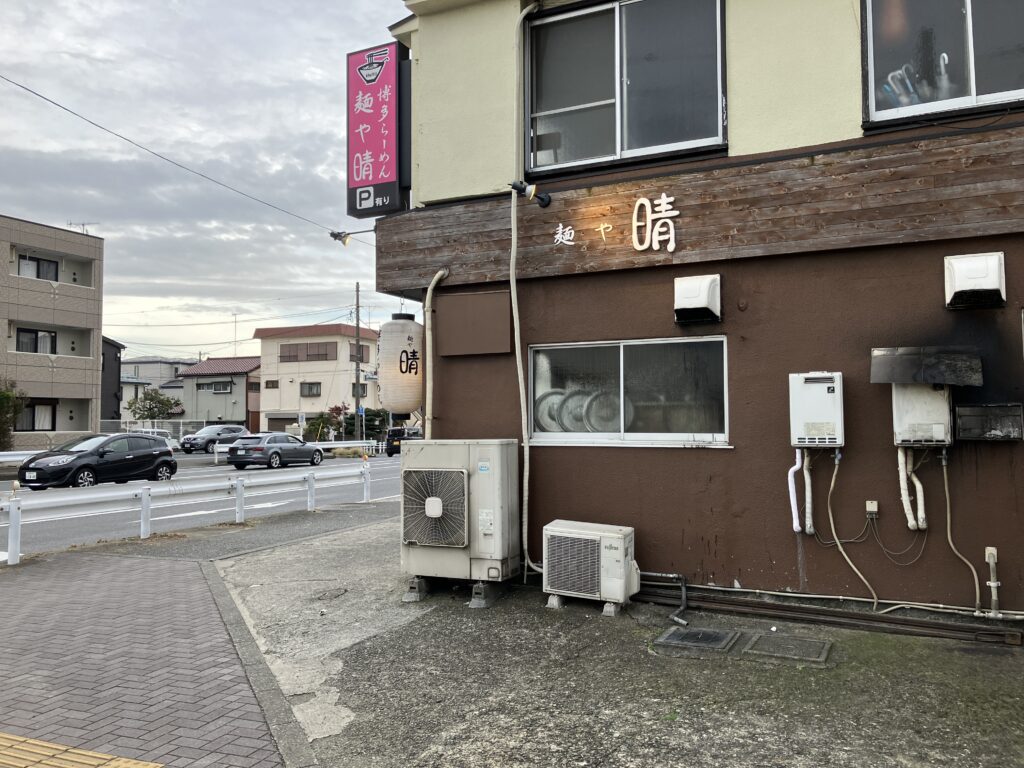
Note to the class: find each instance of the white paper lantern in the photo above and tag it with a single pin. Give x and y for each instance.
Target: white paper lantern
(400, 364)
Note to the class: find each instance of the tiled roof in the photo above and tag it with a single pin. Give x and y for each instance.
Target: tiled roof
(305, 331)
(214, 366)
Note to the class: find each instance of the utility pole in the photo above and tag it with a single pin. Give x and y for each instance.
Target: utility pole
(359, 359)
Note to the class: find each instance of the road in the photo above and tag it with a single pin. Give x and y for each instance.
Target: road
(122, 521)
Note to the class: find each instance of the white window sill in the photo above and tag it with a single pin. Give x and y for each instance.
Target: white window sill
(627, 444)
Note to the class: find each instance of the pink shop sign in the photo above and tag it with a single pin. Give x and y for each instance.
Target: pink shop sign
(373, 131)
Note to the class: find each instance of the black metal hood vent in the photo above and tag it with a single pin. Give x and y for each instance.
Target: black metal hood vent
(957, 366)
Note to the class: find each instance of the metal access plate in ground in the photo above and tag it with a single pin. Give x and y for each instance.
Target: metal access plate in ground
(789, 647)
(696, 638)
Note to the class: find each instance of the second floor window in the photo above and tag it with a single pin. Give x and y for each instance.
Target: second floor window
(43, 269)
(31, 340)
(289, 353)
(362, 390)
(364, 352)
(217, 387)
(623, 80)
(936, 55)
(270, 384)
(309, 389)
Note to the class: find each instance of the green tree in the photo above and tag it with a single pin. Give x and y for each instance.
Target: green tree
(153, 405)
(319, 427)
(376, 423)
(12, 401)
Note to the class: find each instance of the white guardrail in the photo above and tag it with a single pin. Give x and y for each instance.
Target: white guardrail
(83, 502)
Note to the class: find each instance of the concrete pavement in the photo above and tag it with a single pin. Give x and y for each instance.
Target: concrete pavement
(342, 673)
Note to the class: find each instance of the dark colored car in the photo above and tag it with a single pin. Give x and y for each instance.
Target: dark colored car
(393, 442)
(207, 437)
(272, 449)
(93, 459)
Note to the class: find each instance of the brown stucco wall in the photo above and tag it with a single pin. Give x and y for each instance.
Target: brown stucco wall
(722, 516)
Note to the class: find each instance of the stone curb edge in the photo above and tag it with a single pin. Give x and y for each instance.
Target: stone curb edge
(291, 739)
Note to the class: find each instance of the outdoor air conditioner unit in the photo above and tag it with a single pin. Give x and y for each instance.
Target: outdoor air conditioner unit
(590, 560)
(460, 509)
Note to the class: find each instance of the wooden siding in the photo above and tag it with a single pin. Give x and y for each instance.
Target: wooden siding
(961, 186)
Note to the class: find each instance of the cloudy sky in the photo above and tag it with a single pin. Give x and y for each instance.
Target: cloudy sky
(249, 92)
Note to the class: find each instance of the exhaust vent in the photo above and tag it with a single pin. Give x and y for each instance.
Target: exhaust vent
(975, 281)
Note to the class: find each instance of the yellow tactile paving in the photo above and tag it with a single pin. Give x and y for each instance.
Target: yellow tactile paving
(17, 752)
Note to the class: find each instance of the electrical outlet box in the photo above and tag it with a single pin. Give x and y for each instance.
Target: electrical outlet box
(871, 506)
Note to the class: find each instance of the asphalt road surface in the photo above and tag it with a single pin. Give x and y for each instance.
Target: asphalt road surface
(121, 520)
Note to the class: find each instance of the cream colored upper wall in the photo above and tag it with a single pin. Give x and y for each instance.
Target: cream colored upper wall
(793, 73)
(462, 105)
(793, 79)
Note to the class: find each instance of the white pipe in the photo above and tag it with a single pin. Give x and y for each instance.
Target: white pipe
(428, 309)
(991, 557)
(949, 535)
(839, 542)
(517, 152)
(808, 496)
(922, 521)
(901, 459)
(792, 489)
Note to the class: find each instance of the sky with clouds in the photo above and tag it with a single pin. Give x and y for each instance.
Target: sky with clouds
(249, 92)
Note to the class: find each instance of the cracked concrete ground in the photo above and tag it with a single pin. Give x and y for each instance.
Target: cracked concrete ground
(377, 683)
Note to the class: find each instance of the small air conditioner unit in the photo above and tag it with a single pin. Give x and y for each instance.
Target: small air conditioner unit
(590, 560)
(460, 509)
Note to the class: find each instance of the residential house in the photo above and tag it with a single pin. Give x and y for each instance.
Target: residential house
(161, 372)
(131, 389)
(110, 386)
(216, 389)
(52, 289)
(309, 369)
(803, 170)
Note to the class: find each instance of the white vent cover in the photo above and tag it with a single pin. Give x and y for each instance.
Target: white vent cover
(975, 280)
(698, 299)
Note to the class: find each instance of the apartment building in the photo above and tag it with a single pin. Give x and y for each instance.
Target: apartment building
(52, 288)
(309, 369)
(728, 192)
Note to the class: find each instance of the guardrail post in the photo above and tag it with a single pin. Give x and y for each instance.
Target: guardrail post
(14, 533)
(365, 470)
(146, 498)
(239, 500)
(310, 492)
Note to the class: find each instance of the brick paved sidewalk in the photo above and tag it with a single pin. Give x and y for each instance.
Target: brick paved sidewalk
(127, 656)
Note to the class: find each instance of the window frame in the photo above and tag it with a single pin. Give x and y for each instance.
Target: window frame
(31, 405)
(363, 390)
(215, 387)
(945, 108)
(305, 389)
(34, 333)
(620, 153)
(272, 384)
(293, 355)
(623, 439)
(38, 260)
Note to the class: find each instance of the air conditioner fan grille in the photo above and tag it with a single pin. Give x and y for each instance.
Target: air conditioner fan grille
(573, 564)
(448, 485)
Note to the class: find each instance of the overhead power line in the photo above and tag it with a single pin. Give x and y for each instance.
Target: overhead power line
(228, 322)
(166, 159)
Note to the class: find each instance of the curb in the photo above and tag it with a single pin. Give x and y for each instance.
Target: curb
(291, 739)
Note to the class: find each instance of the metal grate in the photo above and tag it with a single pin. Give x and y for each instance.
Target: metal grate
(572, 564)
(789, 647)
(697, 638)
(817, 441)
(448, 485)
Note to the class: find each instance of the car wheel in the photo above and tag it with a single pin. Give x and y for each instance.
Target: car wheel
(317, 457)
(240, 465)
(209, 447)
(163, 472)
(389, 454)
(187, 450)
(274, 460)
(84, 478)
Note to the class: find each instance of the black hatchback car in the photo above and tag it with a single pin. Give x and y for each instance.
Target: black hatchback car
(393, 442)
(92, 459)
(273, 450)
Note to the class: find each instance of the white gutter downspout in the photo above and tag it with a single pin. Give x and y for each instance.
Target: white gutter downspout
(428, 310)
(517, 123)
